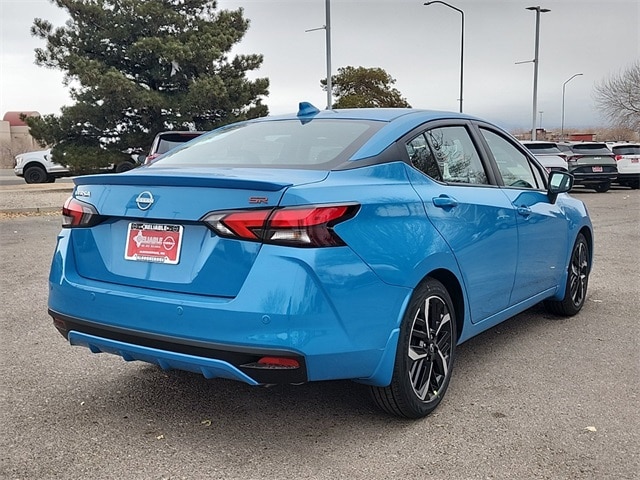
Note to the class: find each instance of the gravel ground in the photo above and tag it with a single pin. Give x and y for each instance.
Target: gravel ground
(26, 199)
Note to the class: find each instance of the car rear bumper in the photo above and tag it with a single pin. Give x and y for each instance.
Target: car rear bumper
(591, 178)
(341, 323)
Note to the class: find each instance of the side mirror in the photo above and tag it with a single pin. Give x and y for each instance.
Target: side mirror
(559, 182)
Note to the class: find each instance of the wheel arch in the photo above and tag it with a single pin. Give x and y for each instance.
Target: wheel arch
(456, 292)
(33, 163)
(588, 235)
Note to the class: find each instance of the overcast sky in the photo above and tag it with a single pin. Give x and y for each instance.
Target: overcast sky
(417, 45)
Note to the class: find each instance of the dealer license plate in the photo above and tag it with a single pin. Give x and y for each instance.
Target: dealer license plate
(596, 169)
(153, 242)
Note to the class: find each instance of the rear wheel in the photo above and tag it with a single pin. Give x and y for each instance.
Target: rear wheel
(124, 167)
(35, 174)
(577, 281)
(602, 187)
(426, 351)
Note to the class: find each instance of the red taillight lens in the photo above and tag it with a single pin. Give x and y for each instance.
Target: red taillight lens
(293, 226)
(151, 158)
(618, 158)
(79, 214)
(248, 225)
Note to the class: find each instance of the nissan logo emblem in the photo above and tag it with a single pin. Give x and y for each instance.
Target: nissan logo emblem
(144, 200)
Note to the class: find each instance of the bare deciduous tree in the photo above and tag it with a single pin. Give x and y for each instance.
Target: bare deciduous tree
(619, 97)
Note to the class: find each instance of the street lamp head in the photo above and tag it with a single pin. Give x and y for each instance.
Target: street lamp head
(539, 9)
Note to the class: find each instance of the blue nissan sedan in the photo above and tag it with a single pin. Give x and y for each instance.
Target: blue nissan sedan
(358, 244)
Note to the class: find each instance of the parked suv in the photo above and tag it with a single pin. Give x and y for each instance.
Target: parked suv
(548, 154)
(165, 141)
(592, 165)
(38, 167)
(627, 156)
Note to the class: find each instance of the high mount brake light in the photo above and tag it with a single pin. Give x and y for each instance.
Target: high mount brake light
(79, 214)
(310, 226)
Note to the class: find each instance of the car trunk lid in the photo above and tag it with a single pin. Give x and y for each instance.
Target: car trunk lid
(151, 234)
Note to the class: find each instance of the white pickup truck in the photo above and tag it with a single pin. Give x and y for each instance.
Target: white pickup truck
(38, 167)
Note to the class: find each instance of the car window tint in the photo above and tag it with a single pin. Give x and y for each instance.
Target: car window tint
(543, 148)
(591, 149)
(422, 157)
(627, 150)
(456, 155)
(318, 144)
(514, 166)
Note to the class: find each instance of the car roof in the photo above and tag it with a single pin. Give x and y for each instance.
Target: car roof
(399, 121)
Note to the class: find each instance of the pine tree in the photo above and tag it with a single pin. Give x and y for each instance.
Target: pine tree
(136, 68)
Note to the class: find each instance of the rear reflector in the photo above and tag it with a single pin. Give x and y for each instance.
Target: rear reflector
(278, 362)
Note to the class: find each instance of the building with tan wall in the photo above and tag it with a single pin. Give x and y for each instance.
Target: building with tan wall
(15, 137)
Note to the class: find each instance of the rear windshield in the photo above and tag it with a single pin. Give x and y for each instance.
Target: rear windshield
(626, 150)
(317, 144)
(170, 140)
(543, 148)
(591, 149)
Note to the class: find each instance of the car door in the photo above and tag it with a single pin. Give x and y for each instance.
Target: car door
(542, 226)
(474, 217)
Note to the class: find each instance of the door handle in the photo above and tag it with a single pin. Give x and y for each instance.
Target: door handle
(444, 201)
(524, 211)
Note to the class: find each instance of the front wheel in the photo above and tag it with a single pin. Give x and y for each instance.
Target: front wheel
(35, 174)
(425, 355)
(577, 281)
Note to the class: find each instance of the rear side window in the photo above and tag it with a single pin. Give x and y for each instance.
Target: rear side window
(317, 144)
(447, 154)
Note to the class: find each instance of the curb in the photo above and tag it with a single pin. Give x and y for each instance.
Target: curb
(32, 210)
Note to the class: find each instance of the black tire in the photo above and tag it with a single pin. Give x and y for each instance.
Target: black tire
(51, 179)
(602, 187)
(634, 184)
(124, 167)
(577, 281)
(35, 174)
(426, 351)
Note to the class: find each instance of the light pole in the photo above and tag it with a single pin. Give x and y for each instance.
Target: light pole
(538, 11)
(540, 126)
(461, 45)
(563, 90)
(327, 28)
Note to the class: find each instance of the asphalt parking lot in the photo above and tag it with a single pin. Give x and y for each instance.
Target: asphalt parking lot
(538, 397)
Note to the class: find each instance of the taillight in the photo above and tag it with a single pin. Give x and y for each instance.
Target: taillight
(310, 226)
(151, 158)
(618, 158)
(574, 158)
(79, 214)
